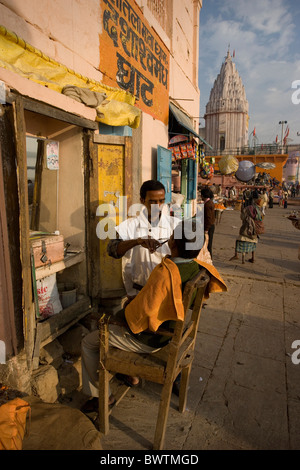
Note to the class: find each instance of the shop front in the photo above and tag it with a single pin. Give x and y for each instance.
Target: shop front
(74, 152)
(186, 148)
(58, 170)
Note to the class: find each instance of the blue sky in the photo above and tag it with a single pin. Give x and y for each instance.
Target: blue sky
(265, 35)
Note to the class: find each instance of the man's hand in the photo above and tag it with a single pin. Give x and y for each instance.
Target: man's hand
(124, 245)
(150, 243)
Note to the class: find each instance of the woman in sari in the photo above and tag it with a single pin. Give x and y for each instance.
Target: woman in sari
(252, 226)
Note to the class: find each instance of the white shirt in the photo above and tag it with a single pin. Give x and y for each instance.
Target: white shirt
(138, 262)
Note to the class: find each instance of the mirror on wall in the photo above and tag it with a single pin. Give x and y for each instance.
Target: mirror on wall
(42, 177)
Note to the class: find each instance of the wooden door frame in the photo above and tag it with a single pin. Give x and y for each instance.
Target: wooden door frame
(18, 104)
(29, 326)
(7, 320)
(90, 154)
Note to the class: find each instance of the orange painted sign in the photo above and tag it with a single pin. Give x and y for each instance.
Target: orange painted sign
(133, 57)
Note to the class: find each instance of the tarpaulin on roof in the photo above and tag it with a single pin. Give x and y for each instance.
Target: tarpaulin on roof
(22, 58)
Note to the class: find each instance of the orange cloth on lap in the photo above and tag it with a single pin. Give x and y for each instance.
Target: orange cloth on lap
(161, 299)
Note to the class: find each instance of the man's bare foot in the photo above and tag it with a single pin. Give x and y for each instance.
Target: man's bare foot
(135, 380)
(234, 257)
(251, 260)
(128, 380)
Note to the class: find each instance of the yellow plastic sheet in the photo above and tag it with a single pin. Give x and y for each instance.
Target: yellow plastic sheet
(22, 58)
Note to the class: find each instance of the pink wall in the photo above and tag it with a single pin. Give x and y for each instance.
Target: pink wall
(64, 30)
(68, 31)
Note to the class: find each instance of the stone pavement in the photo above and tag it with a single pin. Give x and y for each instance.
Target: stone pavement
(244, 388)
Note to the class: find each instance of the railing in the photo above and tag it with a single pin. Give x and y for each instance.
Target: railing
(263, 149)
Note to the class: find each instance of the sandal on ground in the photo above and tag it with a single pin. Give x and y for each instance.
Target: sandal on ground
(92, 405)
(126, 379)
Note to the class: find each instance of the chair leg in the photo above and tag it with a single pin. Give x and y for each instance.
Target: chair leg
(184, 382)
(103, 401)
(162, 417)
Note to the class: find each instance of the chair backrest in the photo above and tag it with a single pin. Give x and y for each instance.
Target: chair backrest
(184, 335)
(192, 298)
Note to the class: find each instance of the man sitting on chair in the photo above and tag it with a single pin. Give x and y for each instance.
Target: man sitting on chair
(158, 303)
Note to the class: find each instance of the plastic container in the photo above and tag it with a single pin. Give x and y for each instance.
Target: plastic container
(68, 294)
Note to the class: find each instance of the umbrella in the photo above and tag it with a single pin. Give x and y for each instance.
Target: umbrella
(178, 138)
(228, 164)
(246, 171)
(266, 165)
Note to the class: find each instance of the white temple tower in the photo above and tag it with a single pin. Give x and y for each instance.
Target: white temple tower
(226, 117)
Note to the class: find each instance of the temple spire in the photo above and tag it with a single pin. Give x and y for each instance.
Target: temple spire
(228, 52)
(227, 110)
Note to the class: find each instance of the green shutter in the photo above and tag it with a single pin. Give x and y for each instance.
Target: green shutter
(164, 170)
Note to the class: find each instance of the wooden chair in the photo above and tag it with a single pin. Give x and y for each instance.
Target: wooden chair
(161, 367)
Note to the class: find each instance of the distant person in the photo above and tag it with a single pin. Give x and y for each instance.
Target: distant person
(293, 191)
(209, 216)
(251, 224)
(232, 192)
(213, 188)
(247, 197)
(280, 197)
(285, 199)
(265, 201)
(219, 208)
